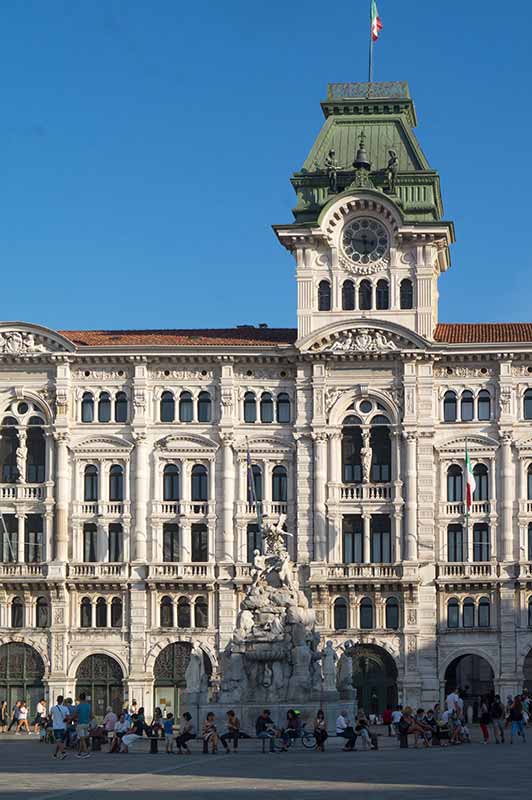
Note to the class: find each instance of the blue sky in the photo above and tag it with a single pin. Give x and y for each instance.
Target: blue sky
(146, 149)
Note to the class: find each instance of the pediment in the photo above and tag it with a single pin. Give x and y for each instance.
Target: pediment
(24, 339)
(476, 446)
(367, 337)
(267, 445)
(190, 443)
(103, 444)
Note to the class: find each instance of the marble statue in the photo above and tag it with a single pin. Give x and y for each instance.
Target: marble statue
(345, 669)
(21, 455)
(328, 659)
(367, 456)
(195, 671)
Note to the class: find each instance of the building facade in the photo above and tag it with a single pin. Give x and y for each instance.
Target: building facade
(128, 521)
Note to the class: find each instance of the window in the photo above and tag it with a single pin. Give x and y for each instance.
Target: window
(392, 614)
(529, 482)
(527, 404)
(381, 450)
(484, 405)
(467, 407)
(90, 542)
(480, 473)
(183, 613)
(104, 407)
(116, 543)
(266, 408)
(250, 407)
(279, 485)
(255, 484)
(484, 612)
(167, 613)
(167, 407)
(381, 541)
(171, 483)
(116, 613)
(481, 542)
(186, 407)
(366, 614)
(455, 543)
(204, 407)
(17, 613)
(351, 451)
(199, 488)
(283, 408)
(121, 407)
(454, 484)
(468, 613)
(530, 541)
(9, 539)
(254, 541)
(36, 458)
(382, 295)
(116, 483)
(86, 613)
(87, 407)
(8, 452)
(201, 613)
(340, 614)
(348, 296)
(352, 535)
(450, 410)
(171, 549)
(530, 612)
(33, 539)
(101, 613)
(324, 296)
(364, 296)
(90, 484)
(406, 295)
(42, 613)
(200, 543)
(453, 614)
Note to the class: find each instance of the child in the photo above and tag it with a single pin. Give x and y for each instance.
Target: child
(168, 732)
(210, 734)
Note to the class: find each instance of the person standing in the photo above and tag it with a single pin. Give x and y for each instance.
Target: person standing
(60, 717)
(344, 728)
(23, 718)
(497, 719)
(485, 719)
(397, 713)
(40, 715)
(109, 721)
(3, 716)
(14, 716)
(82, 716)
(210, 734)
(517, 720)
(169, 732)
(387, 719)
(320, 731)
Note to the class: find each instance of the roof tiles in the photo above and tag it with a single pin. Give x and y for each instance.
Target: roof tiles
(483, 332)
(246, 336)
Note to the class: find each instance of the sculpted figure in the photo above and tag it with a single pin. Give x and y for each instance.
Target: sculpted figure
(345, 669)
(195, 670)
(329, 667)
(367, 456)
(331, 165)
(391, 170)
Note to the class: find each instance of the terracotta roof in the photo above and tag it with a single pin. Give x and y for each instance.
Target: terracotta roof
(483, 332)
(246, 335)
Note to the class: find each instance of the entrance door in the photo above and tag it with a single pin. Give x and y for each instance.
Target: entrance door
(21, 675)
(101, 678)
(374, 678)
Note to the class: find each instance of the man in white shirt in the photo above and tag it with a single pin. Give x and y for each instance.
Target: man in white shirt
(396, 718)
(344, 729)
(60, 716)
(452, 701)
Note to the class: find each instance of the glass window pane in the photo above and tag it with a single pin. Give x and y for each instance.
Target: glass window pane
(183, 613)
(452, 614)
(352, 539)
(283, 408)
(200, 543)
(340, 615)
(104, 407)
(266, 408)
(87, 408)
(527, 402)
(406, 294)
(450, 407)
(468, 614)
(484, 406)
(167, 407)
(467, 411)
(392, 614)
(484, 612)
(250, 407)
(121, 407)
(383, 295)
(324, 296)
(186, 407)
(348, 296)
(366, 614)
(204, 407)
(364, 296)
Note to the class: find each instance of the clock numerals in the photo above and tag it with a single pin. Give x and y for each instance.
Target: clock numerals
(365, 241)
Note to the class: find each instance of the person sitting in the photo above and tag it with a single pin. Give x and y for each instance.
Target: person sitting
(188, 732)
(344, 729)
(133, 734)
(362, 729)
(425, 731)
(121, 727)
(232, 732)
(265, 728)
(210, 734)
(320, 731)
(409, 725)
(292, 730)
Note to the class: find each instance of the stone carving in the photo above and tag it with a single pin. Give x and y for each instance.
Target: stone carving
(412, 615)
(322, 260)
(329, 658)
(21, 456)
(195, 671)
(184, 374)
(391, 171)
(345, 669)
(409, 257)
(318, 401)
(463, 372)
(100, 374)
(17, 343)
(364, 342)
(59, 616)
(522, 370)
(366, 456)
(331, 166)
(506, 399)
(412, 654)
(59, 647)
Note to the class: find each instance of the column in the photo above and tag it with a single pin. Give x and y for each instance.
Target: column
(320, 478)
(141, 485)
(507, 499)
(366, 546)
(186, 544)
(228, 499)
(21, 519)
(411, 498)
(61, 497)
(396, 537)
(211, 466)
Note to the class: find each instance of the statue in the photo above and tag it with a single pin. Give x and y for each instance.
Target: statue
(21, 455)
(345, 669)
(391, 171)
(331, 165)
(328, 659)
(195, 671)
(259, 565)
(366, 456)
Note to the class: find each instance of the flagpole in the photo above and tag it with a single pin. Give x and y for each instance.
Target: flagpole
(370, 67)
(466, 503)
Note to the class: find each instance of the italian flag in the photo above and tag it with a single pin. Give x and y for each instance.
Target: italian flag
(376, 24)
(471, 483)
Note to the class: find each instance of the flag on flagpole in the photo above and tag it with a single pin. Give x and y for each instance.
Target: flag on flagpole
(376, 22)
(471, 483)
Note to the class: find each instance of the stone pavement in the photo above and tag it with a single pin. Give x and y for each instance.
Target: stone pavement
(27, 770)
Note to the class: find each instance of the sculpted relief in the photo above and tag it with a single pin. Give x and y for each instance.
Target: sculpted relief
(368, 341)
(16, 343)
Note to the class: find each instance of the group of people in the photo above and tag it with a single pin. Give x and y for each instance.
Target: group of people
(18, 717)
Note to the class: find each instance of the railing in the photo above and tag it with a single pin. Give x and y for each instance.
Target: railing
(184, 508)
(23, 570)
(467, 570)
(203, 571)
(100, 570)
(394, 90)
(22, 491)
(101, 509)
(381, 492)
(525, 569)
(478, 508)
(364, 571)
(267, 507)
(525, 506)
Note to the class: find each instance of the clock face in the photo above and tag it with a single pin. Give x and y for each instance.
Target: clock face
(365, 241)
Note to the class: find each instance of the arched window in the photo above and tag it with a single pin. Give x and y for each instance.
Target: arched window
(87, 407)
(468, 613)
(340, 614)
(167, 613)
(324, 296)
(266, 407)
(183, 613)
(90, 484)
(17, 613)
(171, 483)
(364, 296)
(450, 410)
(116, 543)
(121, 407)
(101, 613)
(201, 613)
(392, 614)
(116, 483)
(255, 484)
(351, 450)
(90, 542)
(455, 543)
(382, 295)
(530, 612)
(36, 458)
(484, 405)
(200, 485)
(250, 407)
(481, 542)
(529, 482)
(116, 613)
(167, 407)
(104, 407)
(480, 473)
(9, 443)
(42, 613)
(33, 539)
(283, 408)
(186, 407)
(366, 614)
(467, 406)
(406, 295)
(279, 485)
(86, 613)
(453, 614)
(200, 543)
(484, 612)
(381, 451)
(527, 404)
(204, 407)
(454, 484)
(348, 296)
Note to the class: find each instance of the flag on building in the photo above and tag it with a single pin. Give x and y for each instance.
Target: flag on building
(376, 22)
(471, 483)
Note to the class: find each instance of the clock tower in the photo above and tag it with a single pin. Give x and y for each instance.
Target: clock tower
(369, 237)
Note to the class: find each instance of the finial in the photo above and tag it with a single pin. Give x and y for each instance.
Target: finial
(362, 161)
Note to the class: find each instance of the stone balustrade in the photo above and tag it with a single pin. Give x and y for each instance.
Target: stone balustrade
(102, 509)
(363, 492)
(22, 491)
(99, 570)
(178, 571)
(478, 509)
(22, 570)
(484, 569)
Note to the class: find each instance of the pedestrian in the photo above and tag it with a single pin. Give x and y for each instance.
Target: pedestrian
(485, 719)
(4, 713)
(23, 718)
(320, 731)
(232, 732)
(387, 719)
(187, 733)
(169, 732)
(109, 722)
(39, 715)
(60, 718)
(14, 716)
(157, 723)
(82, 717)
(344, 728)
(397, 713)
(265, 728)
(497, 719)
(516, 720)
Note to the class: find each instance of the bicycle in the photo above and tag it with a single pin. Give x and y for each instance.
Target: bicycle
(308, 740)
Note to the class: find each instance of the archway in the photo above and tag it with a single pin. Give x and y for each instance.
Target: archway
(21, 674)
(527, 673)
(374, 678)
(101, 678)
(169, 673)
(473, 676)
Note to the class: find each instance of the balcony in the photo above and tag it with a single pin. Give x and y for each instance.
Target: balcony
(22, 491)
(103, 570)
(332, 572)
(362, 492)
(267, 508)
(479, 570)
(202, 573)
(8, 571)
(182, 508)
(100, 509)
(478, 509)
(525, 506)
